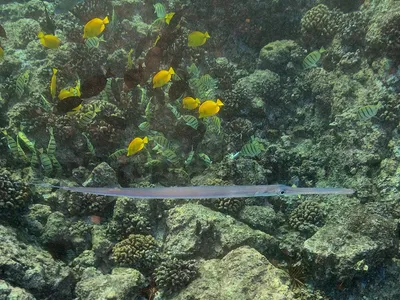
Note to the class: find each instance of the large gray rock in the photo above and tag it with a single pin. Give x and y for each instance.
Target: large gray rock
(8, 292)
(357, 242)
(122, 283)
(194, 230)
(102, 175)
(243, 274)
(32, 268)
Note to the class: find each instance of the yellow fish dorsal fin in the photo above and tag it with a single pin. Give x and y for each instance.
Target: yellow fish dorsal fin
(171, 71)
(145, 140)
(219, 103)
(105, 20)
(40, 35)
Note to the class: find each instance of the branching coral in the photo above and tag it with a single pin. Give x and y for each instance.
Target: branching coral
(307, 217)
(174, 274)
(138, 251)
(319, 24)
(14, 196)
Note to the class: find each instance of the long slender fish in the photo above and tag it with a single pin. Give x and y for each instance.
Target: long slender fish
(197, 192)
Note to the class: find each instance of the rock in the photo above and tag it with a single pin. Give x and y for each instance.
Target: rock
(275, 56)
(262, 218)
(32, 268)
(122, 283)
(243, 273)
(9, 292)
(102, 175)
(359, 241)
(195, 230)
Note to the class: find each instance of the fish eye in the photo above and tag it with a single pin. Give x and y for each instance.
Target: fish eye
(282, 192)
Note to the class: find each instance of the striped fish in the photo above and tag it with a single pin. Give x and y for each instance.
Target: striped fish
(93, 42)
(204, 157)
(161, 142)
(189, 158)
(213, 123)
(26, 141)
(45, 162)
(147, 112)
(12, 144)
(56, 165)
(51, 147)
(311, 60)
(108, 90)
(174, 111)
(190, 121)
(45, 104)
(88, 117)
(252, 149)
(205, 86)
(368, 111)
(21, 152)
(170, 155)
(115, 155)
(144, 126)
(89, 144)
(21, 83)
(159, 10)
(129, 64)
(34, 159)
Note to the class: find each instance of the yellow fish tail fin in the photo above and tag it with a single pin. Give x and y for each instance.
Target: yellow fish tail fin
(171, 71)
(197, 101)
(40, 35)
(105, 20)
(55, 71)
(219, 103)
(206, 35)
(145, 140)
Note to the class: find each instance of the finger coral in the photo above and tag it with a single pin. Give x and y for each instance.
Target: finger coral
(174, 274)
(138, 251)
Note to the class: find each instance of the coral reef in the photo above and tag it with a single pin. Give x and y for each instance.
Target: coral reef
(307, 217)
(139, 251)
(318, 25)
(14, 196)
(174, 274)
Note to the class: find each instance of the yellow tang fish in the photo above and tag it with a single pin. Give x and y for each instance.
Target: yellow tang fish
(209, 108)
(162, 77)
(136, 145)
(190, 103)
(197, 38)
(71, 92)
(94, 27)
(1, 53)
(49, 40)
(53, 83)
(168, 17)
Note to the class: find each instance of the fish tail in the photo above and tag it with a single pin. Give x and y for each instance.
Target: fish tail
(207, 35)
(171, 71)
(40, 35)
(219, 103)
(55, 71)
(105, 20)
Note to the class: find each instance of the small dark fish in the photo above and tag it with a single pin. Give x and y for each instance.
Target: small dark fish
(178, 88)
(48, 26)
(65, 6)
(93, 85)
(133, 77)
(3, 32)
(68, 104)
(153, 61)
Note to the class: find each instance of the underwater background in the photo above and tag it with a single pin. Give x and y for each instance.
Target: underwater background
(143, 94)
